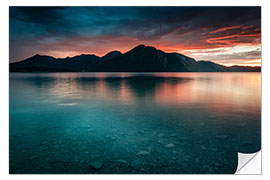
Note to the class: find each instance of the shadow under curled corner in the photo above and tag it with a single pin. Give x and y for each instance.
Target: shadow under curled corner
(249, 163)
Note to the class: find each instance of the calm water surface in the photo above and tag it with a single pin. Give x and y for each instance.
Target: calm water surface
(133, 122)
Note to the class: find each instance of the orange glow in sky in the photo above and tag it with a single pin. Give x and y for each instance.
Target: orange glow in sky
(224, 35)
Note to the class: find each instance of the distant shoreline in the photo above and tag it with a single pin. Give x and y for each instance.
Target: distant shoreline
(139, 72)
(141, 58)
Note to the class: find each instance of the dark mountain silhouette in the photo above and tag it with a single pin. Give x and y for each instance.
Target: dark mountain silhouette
(146, 58)
(112, 54)
(139, 59)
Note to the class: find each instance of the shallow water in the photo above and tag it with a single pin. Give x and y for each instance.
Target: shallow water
(133, 122)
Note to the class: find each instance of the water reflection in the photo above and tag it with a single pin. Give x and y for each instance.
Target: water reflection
(215, 91)
(151, 123)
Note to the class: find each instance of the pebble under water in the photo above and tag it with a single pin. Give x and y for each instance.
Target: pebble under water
(132, 123)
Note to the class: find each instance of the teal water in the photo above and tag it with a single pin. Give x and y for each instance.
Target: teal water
(132, 122)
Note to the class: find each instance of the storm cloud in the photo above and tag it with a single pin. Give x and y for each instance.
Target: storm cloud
(200, 32)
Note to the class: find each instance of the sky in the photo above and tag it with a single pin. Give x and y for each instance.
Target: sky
(225, 35)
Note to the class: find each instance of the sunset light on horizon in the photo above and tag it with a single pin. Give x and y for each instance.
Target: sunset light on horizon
(224, 35)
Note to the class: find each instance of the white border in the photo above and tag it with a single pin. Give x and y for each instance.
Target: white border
(4, 78)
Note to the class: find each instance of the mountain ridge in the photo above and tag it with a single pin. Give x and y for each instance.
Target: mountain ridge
(141, 58)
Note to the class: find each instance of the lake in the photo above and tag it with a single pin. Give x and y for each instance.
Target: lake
(129, 123)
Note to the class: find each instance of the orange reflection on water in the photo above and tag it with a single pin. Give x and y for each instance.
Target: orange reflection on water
(65, 88)
(125, 94)
(213, 91)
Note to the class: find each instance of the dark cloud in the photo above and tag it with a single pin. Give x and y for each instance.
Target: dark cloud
(98, 29)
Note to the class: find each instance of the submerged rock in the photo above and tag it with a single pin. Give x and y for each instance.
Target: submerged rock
(203, 147)
(202, 124)
(122, 161)
(182, 138)
(113, 138)
(141, 132)
(42, 148)
(135, 164)
(217, 164)
(96, 165)
(221, 137)
(170, 145)
(34, 157)
(161, 135)
(143, 153)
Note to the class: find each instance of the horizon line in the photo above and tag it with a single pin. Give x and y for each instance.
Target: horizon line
(38, 54)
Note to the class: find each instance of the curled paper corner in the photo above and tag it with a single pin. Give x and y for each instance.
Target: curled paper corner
(249, 163)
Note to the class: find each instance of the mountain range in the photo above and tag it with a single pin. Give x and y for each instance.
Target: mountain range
(139, 59)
